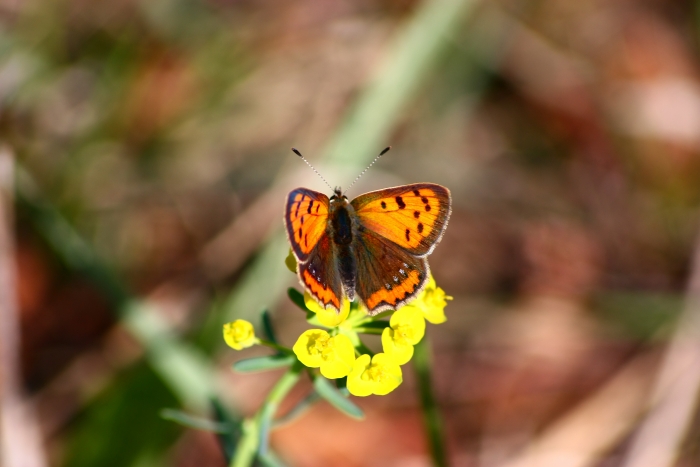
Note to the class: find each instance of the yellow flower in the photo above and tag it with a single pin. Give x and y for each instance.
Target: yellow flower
(239, 334)
(334, 355)
(407, 327)
(327, 316)
(291, 262)
(379, 375)
(432, 302)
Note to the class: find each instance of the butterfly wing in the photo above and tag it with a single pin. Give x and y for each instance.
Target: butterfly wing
(413, 217)
(306, 221)
(305, 218)
(320, 276)
(398, 228)
(387, 275)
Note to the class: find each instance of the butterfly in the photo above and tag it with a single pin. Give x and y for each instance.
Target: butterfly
(374, 247)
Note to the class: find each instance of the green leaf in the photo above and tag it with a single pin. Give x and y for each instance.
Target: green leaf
(110, 430)
(312, 319)
(229, 440)
(303, 405)
(336, 399)
(269, 362)
(376, 325)
(269, 459)
(267, 327)
(297, 298)
(383, 314)
(192, 421)
(342, 385)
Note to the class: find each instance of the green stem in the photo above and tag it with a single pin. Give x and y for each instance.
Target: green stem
(257, 429)
(279, 348)
(431, 414)
(244, 455)
(272, 403)
(375, 331)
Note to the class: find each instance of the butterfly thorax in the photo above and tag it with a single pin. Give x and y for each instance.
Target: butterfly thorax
(341, 227)
(340, 217)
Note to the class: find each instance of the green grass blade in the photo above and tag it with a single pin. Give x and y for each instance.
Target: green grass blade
(194, 422)
(336, 399)
(269, 362)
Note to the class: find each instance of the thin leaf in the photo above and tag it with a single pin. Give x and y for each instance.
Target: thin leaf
(228, 441)
(267, 327)
(268, 362)
(336, 399)
(342, 385)
(192, 421)
(304, 405)
(383, 314)
(269, 459)
(297, 298)
(312, 319)
(376, 324)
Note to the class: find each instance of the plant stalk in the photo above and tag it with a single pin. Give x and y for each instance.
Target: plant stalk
(431, 415)
(257, 429)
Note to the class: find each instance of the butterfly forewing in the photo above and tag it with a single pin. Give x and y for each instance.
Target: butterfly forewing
(305, 217)
(387, 275)
(411, 216)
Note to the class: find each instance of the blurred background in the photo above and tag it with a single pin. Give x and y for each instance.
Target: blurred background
(143, 169)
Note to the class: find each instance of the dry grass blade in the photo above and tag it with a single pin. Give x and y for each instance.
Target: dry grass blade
(20, 440)
(675, 394)
(580, 437)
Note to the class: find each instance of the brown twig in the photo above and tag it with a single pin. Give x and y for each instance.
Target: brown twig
(20, 440)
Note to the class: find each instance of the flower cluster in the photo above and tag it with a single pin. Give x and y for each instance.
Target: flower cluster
(338, 351)
(239, 334)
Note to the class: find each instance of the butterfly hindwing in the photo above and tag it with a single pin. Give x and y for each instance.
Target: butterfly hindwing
(387, 275)
(411, 216)
(320, 276)
(306, 218)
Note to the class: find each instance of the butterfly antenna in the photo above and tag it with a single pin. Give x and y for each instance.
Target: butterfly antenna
(295, 151)
(370, 165)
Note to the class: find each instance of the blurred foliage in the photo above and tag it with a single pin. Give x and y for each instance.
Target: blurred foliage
(134, 396)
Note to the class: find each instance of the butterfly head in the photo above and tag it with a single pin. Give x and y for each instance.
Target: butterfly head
(338, 196)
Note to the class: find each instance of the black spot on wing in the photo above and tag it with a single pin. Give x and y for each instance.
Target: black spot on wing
(296, 213)
(420, 227)
(311, 205)
(416, 192)
(408, 235)
(416, 214)
(424, 199)
(427, 208)
(383, 205)
(400, 202)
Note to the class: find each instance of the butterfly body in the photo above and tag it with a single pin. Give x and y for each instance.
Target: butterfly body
(373, 247)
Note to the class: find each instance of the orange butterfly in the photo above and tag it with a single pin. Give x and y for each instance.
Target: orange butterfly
(374, 246)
